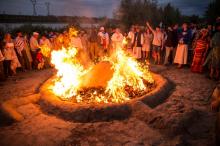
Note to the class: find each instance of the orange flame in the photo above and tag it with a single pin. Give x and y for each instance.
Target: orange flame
(127, 72)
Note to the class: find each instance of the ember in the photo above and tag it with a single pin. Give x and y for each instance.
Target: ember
(114, 79)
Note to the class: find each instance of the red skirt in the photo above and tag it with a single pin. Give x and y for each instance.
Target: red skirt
(199, 57)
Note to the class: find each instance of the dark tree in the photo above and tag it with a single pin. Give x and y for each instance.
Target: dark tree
(213, 11)
(139, 11)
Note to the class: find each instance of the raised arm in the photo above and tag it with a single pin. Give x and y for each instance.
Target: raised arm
(151, 29)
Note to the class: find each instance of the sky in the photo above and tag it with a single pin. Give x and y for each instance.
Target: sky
(91, 8)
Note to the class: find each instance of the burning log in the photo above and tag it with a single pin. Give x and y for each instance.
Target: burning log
(98, 76)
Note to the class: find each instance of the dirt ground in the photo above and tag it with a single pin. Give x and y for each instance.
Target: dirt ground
(184, 119)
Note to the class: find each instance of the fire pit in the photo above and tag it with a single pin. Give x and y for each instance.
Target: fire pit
(104, 91)
(84, 112)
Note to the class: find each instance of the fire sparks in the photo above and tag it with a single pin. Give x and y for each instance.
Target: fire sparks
(127, 72)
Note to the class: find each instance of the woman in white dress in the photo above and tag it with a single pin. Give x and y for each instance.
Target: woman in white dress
(11, 59)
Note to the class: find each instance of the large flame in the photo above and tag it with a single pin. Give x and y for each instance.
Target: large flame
(127, 73)
(69, 72)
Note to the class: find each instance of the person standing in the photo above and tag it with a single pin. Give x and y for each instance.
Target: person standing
(182, 48)
(158, 41)
(11, 62)
(201, 48)
(28, 52)
(20, 50)
(215, 54)
(137, 43)
(35, 47)
(147, 44)
(130, 39)
(175, 40)
(103, 41)
(93, 40)
(169, 44)
(46, 48)
(117, 39)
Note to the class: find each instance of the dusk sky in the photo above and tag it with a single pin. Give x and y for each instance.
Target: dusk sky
(91, 7)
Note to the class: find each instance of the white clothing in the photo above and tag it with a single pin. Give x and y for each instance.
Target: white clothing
(117, 39)
(34, 44)
(137, 52)
(181, 54)
(19, 44)
(9, 52)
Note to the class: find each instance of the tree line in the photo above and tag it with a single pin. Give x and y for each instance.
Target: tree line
(139, 11)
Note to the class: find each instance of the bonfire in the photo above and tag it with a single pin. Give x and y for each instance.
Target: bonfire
(114, 79)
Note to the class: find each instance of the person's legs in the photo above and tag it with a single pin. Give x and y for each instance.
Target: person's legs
(154, 52)
(34, 63)
(2, 74)
(21, 60)
(173, 55)
(168, 49)
(148, 55)
(158, 54)
(5, 68)
(143, 55)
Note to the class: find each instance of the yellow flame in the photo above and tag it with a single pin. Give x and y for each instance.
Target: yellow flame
(45, 50)
(127, 72)
(73, 32)
(69, 72)
(125, 41)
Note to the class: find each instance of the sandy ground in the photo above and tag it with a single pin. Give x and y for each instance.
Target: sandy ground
(184, 119)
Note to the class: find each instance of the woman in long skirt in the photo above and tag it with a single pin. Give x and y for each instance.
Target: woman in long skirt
(182, 48)
(201, 47)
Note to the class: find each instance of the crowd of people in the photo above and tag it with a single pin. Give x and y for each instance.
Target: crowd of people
(181, 45)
